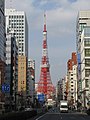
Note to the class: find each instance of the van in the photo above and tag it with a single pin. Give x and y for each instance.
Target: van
(63, 106)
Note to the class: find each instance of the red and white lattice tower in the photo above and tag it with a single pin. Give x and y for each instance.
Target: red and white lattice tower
(45, 84)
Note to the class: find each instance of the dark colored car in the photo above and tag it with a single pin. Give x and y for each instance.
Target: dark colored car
(88, 111)
(21, 109)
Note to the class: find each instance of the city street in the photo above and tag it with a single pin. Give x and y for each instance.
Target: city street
(56, 115)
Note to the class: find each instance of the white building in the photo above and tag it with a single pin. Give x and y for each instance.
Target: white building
(83, 19)
(16, 21)
(72, 86)
(85, 64)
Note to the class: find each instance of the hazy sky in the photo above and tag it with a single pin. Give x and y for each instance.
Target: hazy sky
(61, 31)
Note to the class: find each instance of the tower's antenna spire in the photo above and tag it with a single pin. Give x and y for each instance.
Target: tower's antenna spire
(44, 22)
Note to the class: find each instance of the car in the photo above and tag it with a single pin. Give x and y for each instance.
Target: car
(21, 109)
(28, 109)
(88, 111)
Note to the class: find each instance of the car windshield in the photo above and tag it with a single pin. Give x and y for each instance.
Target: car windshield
(63, 106)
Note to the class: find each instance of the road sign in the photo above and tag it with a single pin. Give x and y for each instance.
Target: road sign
(5, 88)
(41, 97)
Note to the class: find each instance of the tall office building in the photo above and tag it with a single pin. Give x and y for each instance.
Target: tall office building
(2, 48)
(11, 70)
(83, 40)
(16, 21)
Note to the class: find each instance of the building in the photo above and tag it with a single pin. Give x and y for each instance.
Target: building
(11, 78)
(59, 90)
(2, 49)
(22, 61)
(83, 20)
(72, 80)
(65, 87)
(85, 65)
(16, 21)
(31, 80)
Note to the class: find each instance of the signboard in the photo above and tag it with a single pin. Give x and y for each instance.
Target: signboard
(5, 88)
(41, 97)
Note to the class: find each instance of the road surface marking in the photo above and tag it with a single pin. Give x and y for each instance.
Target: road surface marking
(41, 116)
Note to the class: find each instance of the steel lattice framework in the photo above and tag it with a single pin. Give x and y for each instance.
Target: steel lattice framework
(45, 84)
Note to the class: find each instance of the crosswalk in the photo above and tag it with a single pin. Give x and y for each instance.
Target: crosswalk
(54, 110)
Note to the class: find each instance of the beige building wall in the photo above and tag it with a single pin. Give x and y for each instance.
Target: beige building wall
(22, 73)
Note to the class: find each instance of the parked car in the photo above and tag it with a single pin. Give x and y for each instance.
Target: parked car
(88, 111)
(21, 109)
(28, 109)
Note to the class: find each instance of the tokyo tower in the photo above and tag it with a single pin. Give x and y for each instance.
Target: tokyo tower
(45, 85)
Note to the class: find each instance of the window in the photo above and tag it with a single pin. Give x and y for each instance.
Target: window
(87, 32)
(87, 62)
(71, 89)
(87, 42)
(87, 72)
(87, 83)
(82, 26)
(87, 52)
(71, 81)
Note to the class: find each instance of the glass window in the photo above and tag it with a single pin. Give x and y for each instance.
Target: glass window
(87, 52)
(87, 83)
(82, 26)
(87, 62)
(87, 31)
(87, 72)
(87, 42)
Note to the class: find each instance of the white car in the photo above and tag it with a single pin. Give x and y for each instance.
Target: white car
(28, 109)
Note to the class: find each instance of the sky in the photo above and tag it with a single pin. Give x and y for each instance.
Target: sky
(61, 18)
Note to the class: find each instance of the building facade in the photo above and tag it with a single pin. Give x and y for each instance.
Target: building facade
(59, 91)
(2, 49)
(16, 21)
(72, 80)
(31, 81)
(11, 79)
(65, 87)
(85, 65)
(83, 20)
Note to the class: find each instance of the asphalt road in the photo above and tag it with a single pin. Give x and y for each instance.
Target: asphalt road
(56, 115)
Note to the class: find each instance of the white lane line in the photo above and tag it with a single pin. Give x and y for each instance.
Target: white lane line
(41, 116)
